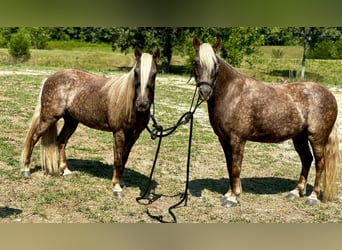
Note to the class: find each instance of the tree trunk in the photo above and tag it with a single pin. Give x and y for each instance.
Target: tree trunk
(302, 72)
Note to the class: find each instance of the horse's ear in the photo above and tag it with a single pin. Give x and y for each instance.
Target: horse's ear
(137, 52)
(156, 54)
(196, 42)
(218, 44)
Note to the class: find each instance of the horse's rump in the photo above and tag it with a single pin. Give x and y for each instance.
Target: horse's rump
(274, 113)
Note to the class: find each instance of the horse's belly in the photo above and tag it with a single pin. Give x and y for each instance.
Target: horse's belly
(270, 138)
(273, 131)
(91, 118)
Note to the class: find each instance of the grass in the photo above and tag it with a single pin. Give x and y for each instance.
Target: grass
(269, 170)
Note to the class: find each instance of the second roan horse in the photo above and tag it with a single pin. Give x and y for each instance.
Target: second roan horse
(120, 104)
(241, 108)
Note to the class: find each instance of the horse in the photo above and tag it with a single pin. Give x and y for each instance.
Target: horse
(119, 104)
(243, 109)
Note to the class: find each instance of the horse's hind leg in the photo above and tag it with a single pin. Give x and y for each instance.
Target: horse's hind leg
(36, 130)
(301, 145)
(68, 129)
(319, 164)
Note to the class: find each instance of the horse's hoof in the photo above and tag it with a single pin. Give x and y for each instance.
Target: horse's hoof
(26, 174)
(291, 196)
(68, 176)
(311, 202)
(228, 203)
(119, 194)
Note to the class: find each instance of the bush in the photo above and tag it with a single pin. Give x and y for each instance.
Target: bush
(2, 41)
(277, 53)
(39, 37)
(326, 50)
(338, 46)
(19, 46)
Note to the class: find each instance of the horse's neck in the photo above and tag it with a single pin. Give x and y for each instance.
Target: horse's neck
(227, 77)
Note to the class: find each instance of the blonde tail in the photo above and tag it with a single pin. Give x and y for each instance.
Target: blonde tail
(49, 151)
(331, 161)
(27, 149)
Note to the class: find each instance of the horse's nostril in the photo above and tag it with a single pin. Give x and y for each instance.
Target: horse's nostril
(205, 92)
(142, 105)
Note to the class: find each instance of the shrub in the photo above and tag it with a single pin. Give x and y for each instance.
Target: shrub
(39, 37)
(19, 46)
(338, 46)
(326, 50)
(2, 41)
(277, 53)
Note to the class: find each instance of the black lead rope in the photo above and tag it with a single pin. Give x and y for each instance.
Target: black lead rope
(159, 132)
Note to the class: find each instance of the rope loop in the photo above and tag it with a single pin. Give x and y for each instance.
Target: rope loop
(159, 132)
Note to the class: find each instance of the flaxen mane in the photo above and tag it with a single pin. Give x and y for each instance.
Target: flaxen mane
(121, 92)
(146, 63)
(207, 57)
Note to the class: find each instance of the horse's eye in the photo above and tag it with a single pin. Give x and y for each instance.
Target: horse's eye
(194, 63)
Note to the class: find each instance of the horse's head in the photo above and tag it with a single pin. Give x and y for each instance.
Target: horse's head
(206, 66)
(144, 78)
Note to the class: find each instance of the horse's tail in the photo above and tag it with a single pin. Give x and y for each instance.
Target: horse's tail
(49, 154)
(32, 128)
(49, 150)
(331, 156)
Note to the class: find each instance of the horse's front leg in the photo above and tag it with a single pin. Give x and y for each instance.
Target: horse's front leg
(122, 147)
(118, 145)
(233, 150)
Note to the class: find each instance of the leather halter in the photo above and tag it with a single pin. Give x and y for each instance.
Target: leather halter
(212, 85)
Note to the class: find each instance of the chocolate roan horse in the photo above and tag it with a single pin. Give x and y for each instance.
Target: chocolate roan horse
(120, 104)
(241, 108)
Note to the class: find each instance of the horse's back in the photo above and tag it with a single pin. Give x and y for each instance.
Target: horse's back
(76, 77)
(78, 94)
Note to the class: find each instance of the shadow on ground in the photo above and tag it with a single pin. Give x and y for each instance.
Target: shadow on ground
(98, 169)
(132, 178)
(8, 211)
(260, 185)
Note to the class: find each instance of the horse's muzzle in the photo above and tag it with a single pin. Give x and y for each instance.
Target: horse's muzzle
(205, 91)
(142, 106)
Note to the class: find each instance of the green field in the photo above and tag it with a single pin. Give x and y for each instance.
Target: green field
(269, 170)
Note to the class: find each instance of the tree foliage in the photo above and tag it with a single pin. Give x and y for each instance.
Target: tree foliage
(19, 46)
(317, 42)
(148, 39)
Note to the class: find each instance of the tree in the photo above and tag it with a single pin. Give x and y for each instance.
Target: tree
(39, 37)
(237, 41)
(240, 41)
(166, 38)
(307, 37)
(19, 46)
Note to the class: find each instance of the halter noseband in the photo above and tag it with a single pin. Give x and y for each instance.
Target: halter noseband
(199, 84)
